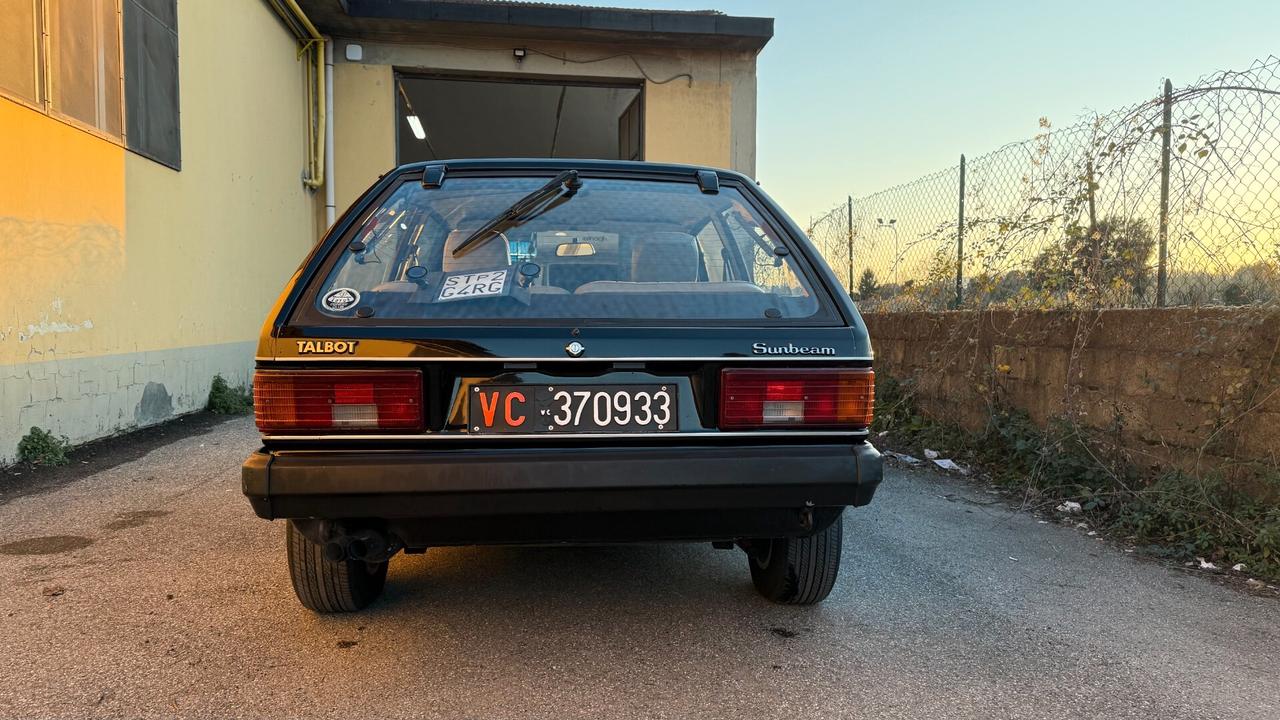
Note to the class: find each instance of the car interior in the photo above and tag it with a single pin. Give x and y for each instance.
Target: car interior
(619, 252)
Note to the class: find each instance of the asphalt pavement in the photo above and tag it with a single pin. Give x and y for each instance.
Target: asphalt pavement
(149, 589)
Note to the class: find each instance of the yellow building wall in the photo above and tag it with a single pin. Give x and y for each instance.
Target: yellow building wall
(219, 239)
(364, 126)
(709, 120)
(683, 123)
(126, 285)
(686, 123)
(62, 223)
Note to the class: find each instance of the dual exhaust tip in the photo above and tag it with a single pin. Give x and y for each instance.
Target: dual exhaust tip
(365, 545)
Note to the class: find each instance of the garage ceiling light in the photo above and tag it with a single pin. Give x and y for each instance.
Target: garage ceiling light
(415, 123)
(416, 126)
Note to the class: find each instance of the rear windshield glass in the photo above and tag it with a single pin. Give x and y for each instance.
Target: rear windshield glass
(613, 250)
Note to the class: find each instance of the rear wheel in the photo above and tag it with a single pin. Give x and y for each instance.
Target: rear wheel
(330, 587)
(798, 571)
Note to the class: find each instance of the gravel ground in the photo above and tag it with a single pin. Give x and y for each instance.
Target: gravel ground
(149, 589)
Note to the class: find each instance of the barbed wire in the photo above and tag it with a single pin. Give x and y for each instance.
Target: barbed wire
(1174, 200)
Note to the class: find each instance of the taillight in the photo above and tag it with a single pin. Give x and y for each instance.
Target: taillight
(827, 398)
(337, 400)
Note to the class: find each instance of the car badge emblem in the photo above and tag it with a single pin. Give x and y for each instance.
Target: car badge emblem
(575, 348)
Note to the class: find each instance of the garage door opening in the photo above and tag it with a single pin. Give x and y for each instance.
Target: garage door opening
(443, 118)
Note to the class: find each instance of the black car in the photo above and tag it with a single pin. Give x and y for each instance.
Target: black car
(554, 351)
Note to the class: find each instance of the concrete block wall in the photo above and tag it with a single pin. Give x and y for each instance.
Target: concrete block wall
(89, 398)
(1186, 387)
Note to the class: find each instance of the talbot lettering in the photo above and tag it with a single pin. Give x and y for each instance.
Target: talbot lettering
(327, 347)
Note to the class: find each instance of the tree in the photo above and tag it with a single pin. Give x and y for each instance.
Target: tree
(989, 287)
(1256, 283)
(1050, 270)
(867, 285)
(1116, 254)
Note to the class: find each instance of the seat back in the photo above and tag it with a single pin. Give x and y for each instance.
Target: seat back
(665, 257)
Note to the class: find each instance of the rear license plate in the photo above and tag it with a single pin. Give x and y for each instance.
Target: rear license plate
(573, 408)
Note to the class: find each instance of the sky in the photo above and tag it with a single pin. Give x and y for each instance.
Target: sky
(858, 96)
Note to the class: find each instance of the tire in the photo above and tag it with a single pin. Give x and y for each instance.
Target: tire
(798, 571)
(331, 587)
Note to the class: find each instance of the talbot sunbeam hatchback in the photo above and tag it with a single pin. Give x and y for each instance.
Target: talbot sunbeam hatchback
(550, 351)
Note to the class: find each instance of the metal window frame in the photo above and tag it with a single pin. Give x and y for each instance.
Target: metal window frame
(43, 73)
(147, 153)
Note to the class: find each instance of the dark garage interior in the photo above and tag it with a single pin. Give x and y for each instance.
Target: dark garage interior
(467, 118)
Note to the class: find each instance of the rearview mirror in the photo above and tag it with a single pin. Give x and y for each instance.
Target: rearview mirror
(575, 249)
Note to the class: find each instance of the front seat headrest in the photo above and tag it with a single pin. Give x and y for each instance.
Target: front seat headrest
(665, 257)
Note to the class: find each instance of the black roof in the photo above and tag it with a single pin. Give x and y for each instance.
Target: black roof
(410, 20)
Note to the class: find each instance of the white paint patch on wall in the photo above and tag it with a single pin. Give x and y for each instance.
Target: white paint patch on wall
(46, 326)
(49, 328)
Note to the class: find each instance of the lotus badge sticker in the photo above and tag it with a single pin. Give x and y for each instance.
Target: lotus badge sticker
(340, 299)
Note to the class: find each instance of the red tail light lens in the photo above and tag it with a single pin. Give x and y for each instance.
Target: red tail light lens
(836, 399)
(337, 400)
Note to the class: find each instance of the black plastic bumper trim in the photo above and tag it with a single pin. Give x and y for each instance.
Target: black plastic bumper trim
(480, 482)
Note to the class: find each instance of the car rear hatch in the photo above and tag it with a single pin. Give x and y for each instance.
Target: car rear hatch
(645, 308)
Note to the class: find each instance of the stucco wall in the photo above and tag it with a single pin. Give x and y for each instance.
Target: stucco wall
(125, 285)
(1190, 388)
(689, 123)
(364, 127)
(62, 230)
(709, 120)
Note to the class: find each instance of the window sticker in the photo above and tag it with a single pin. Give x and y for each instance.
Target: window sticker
(464, 286)
(340, 299)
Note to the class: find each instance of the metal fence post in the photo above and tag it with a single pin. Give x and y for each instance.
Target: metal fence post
(850, 241)
(1162, 272)
(960, 242)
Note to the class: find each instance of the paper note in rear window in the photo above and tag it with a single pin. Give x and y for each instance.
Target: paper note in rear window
(464, 286)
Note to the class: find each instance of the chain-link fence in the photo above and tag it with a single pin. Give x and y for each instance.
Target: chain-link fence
(1172, 201)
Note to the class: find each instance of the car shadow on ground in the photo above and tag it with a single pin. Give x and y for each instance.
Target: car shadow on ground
(553, 603)
(559, 588)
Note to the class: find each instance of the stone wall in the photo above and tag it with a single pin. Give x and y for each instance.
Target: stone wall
(1188, 388)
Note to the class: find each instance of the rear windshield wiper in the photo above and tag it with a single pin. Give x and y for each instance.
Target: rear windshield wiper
(512, 216)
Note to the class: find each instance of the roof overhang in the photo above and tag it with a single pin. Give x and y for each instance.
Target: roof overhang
(423, 20)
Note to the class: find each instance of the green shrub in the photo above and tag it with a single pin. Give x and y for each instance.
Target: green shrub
(41, 447)
(1063, 459)
(1178, 515)
(896, 407)
(226, 400)
(1187, 516)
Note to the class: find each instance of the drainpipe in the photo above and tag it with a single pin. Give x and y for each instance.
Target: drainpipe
(315, 43)
(330, 211)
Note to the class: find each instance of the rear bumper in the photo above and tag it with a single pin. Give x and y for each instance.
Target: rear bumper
(494, 495)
